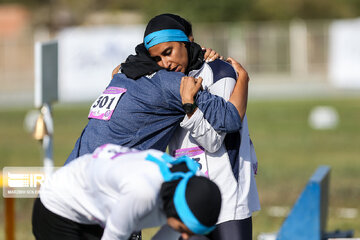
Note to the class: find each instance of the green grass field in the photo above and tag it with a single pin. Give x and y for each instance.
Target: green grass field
(288, 150)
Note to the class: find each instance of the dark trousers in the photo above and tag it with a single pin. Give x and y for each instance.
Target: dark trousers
(230, 230)
(47, 225)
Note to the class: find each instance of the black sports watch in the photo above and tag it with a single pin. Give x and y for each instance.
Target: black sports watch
(189, 107)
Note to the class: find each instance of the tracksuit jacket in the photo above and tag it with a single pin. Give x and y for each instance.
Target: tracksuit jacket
(145, 113)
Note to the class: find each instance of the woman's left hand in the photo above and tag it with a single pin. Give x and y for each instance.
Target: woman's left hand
(210, 55)
(240, 70)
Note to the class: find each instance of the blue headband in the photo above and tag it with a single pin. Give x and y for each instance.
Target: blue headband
(181, 206)
(166, 35)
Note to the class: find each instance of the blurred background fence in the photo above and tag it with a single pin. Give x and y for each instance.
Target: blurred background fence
(291, 54)
(292, 48)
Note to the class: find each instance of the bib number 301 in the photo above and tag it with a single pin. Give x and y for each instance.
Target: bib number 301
(104, 105)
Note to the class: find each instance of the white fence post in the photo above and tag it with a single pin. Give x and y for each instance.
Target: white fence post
(298, 48)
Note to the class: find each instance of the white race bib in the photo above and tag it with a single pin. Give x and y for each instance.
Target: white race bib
(196, 153)
(104, 106)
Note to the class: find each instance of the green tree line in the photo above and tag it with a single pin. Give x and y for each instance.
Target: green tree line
(211, 10)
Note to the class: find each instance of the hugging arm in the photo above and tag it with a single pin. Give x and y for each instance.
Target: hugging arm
(222, 115)
(201, 124)
(199, 128)
(240, 93)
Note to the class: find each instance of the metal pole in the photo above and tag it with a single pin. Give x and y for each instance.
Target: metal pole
(48, 139)
(9, 218)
